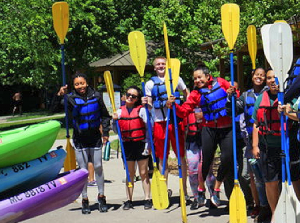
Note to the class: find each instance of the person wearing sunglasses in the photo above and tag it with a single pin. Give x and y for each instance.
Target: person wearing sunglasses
(132, 121)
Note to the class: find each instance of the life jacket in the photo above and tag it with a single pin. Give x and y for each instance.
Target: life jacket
(159, 94)
(268, 117)
(192, 126)
(294, 73)
(213, 101)
(86, 113)
(250, 99)
(131, 125)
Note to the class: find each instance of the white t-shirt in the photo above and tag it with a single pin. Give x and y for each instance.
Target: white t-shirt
(157, 114)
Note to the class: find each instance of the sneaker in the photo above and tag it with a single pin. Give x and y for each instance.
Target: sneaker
(255, 212)
(265, 214)
(201, 198)
(92, 183)
(188, 200)
(215, 198)
(170, 193)
(102, 204)
(147, 204)
(127, 205)
(85, 207)
(194, 205)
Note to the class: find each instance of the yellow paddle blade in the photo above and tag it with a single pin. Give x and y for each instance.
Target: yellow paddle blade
(277, 21)
(175, 68)
(60, 14)
(110, 88)
(138, 52)
(70, 161)
(182, 202)
(237, 206)
(167, 46)
(230, 15)
(159, 191)
(252, 43)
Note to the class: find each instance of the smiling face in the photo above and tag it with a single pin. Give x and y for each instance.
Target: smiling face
(131, 97)
(200, 79)
(259, 77)
(160, 66)
(80, 85)
(271, 82)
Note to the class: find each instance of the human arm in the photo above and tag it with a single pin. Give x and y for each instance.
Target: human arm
(288, 111)
(188, 106)
(105, 120)
(255, 140)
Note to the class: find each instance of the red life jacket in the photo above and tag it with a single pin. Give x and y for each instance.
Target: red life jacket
(191, 124)
(268, 117)
(131, 125)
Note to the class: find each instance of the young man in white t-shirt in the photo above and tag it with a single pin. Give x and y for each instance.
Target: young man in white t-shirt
(157, 97)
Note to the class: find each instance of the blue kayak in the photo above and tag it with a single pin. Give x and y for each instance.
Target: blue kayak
(27, 175)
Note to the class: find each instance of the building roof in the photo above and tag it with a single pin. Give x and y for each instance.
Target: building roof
(123, 59)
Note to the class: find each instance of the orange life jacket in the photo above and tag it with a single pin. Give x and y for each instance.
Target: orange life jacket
(268, 117)
(131, 125)
(191, 124)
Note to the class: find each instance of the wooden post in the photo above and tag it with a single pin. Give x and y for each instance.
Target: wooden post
(240, 71)
(222, 68)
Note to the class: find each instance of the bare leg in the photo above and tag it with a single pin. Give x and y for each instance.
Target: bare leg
(184, 173)
(296, 185)
(143, 170)
(272, 191)
(166, 170)
(131, 169)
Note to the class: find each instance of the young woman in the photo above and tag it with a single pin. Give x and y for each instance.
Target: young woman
(266, 143)
(210, 95)
(132, 118)
(245, 105)
(88, 113)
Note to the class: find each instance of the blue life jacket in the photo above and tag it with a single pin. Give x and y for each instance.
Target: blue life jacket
(248, 110)
(293, 83)
(86, 113)
(294, 73)
(213, 101)
(159, 94)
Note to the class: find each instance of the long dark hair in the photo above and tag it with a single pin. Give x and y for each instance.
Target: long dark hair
(139, 98)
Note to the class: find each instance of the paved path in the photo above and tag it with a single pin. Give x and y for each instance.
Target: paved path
(115, 192)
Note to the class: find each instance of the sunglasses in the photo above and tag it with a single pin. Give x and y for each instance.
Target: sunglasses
(131, 95)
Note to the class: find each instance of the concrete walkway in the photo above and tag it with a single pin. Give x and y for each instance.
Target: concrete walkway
(115, 192)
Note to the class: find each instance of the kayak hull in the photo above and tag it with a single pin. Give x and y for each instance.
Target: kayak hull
(44, 198)
(27, 143)
(24, 176)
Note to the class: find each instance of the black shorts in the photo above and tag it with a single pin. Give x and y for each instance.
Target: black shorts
(270, 164)
(134, 150)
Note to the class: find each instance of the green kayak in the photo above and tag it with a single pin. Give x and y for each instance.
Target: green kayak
(27, 143)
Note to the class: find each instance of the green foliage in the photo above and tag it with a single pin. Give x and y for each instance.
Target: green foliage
(30, 52)
(133, 79)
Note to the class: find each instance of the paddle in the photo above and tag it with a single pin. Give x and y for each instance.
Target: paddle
(138, 55)
(171, 90)
(252, 44)
(175, 71)
(280, 51)
(111, 94)
(60, 14)
(230, 15)
(266, 42)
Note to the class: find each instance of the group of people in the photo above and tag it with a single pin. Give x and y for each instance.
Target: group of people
(204, 124)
